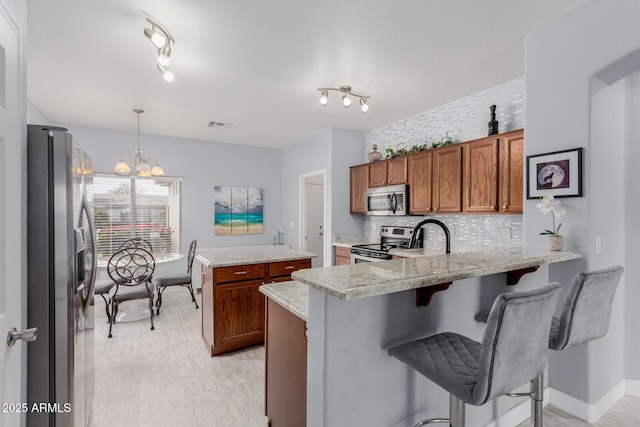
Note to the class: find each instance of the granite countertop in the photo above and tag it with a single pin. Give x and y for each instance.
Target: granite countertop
(243, 255)
(378, 278)
(347, 240)
(293, 296)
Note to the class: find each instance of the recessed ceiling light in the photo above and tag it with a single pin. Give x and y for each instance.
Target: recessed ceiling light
(219, 125)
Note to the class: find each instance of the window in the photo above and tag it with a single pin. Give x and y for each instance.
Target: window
(129, 206)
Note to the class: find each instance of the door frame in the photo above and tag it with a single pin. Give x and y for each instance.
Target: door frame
(326, 225)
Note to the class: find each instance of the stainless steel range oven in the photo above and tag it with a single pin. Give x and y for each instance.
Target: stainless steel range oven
(391, 237)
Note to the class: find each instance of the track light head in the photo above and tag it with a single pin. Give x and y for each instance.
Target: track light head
(346, 101)
(324, 97)
(164, 56)
(168, 75)
(363, 105)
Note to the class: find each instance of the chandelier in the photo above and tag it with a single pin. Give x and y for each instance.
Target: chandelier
(346, 101)
(141, 165)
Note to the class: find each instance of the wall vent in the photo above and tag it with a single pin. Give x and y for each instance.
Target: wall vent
(219, 125)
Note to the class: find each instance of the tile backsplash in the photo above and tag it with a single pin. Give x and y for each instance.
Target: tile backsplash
(465, 119)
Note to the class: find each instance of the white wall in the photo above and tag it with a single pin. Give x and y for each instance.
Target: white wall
(632, 228)
(331, 150)
(202, 165)
(568, 105)
(465, 119)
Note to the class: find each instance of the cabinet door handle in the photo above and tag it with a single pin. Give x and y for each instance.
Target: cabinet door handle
(504, 206)
(241, 272)
(201, 279)
(289, 267)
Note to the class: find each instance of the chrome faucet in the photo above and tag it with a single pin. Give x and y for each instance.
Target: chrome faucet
(447, 235)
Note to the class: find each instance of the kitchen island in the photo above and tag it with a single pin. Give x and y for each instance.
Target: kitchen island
(232, 306)
(356, 312)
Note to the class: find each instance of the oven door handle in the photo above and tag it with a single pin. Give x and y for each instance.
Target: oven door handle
(394, 202)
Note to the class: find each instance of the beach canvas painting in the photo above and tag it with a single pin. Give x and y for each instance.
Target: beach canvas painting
(238, 210)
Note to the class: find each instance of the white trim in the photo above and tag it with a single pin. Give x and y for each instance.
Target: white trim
(632, 388)
(590, 412)
(518, 413)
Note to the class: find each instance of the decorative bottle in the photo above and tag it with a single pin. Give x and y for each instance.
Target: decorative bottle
(375, 155)
(493, 123)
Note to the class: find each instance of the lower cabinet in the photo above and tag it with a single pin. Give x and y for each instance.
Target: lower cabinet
(233, 307)
(285, 368)
(342, 255)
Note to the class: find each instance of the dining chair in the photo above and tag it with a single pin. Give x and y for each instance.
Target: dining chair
(183, 280)
(137, 242)
(131, 270)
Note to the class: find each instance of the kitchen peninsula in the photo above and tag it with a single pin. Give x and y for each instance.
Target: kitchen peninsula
(356, 312)
(232, 306)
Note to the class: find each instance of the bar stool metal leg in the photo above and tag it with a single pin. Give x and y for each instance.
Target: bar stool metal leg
(456, 412)
(537, 397)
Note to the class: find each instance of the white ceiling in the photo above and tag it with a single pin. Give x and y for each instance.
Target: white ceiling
(257, 63)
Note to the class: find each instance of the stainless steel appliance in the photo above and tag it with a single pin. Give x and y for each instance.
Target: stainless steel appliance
(61, 275)
(391, 237)
(390, 200)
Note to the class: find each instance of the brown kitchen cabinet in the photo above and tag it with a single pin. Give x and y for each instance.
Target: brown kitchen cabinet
(359, 177)
(511, 197)
(342, 255)
(480, 175)
(285, 368)
(420, 167)
(447, 179)
(233, 307)
(281, 271)
(388, 172)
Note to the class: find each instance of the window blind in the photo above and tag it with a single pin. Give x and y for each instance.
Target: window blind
(126, 207)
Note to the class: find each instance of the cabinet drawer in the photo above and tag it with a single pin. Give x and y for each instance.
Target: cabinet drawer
(283, 268)
(342, 251)
(239, 272)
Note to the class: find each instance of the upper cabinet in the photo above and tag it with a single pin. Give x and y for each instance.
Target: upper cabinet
(446, 179)
(481, 176)
(359, 184)
(511, 172)
(420, 167)
(388, 172)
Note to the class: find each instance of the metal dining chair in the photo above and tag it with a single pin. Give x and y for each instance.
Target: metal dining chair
(131, 270)
(183, 280)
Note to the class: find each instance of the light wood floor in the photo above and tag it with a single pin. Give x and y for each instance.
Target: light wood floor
(165, 377)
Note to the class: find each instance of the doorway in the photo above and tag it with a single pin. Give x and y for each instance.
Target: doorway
(312, 222)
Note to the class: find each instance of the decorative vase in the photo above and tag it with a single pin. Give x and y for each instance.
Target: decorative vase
(555, 243)
(493, 123)
(375, 155)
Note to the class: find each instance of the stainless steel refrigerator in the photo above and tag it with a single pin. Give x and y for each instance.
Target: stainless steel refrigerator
(61, 267)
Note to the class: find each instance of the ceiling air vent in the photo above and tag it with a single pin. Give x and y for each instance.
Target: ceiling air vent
(219, 125)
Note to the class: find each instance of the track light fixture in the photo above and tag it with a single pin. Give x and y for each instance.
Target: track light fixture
(346, 100)
(163, 41)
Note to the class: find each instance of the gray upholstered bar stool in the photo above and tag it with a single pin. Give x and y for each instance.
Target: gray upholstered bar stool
(585, 316)
(513, 351)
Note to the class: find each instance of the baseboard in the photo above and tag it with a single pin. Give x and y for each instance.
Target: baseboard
(632, 387)
(517, 414)
(590, 412)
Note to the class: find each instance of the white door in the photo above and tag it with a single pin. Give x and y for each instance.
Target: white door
(314, 218)
(10, 219)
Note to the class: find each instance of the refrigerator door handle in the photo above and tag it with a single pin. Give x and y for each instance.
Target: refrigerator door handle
(94, 253)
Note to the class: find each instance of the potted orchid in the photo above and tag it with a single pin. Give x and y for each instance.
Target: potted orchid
(548, 204)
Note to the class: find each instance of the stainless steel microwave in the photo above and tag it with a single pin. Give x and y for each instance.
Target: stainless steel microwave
(389, 200)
